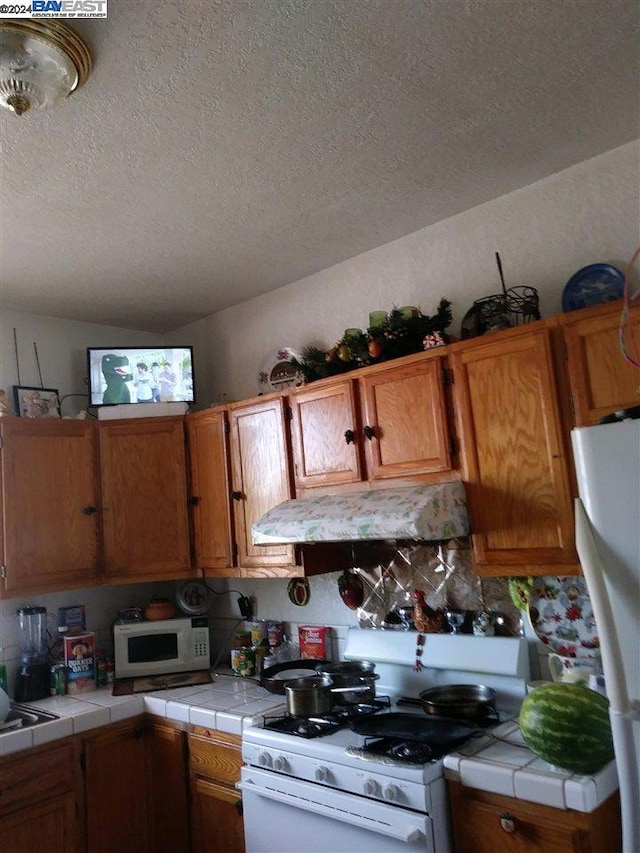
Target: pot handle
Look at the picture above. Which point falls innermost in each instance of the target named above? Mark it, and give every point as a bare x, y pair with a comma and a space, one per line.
363, 689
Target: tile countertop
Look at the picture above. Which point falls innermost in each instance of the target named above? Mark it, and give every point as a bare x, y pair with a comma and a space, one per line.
507, 767
228, 704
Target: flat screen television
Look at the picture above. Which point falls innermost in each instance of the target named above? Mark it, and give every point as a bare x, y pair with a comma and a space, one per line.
120, 375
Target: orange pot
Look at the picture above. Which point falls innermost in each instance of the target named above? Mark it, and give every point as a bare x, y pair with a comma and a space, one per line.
159, 608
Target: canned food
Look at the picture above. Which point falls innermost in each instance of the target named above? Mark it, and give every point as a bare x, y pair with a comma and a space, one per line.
243, 662
101, 673
58, 683
275, 633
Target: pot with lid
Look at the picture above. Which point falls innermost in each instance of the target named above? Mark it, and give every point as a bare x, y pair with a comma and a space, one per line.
351, 677
314, 696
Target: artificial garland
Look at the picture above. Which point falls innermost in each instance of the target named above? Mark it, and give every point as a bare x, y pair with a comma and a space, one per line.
397, 336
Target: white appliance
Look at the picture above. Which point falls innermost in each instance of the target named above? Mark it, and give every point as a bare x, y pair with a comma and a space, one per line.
607, 461
326, 795
161, 647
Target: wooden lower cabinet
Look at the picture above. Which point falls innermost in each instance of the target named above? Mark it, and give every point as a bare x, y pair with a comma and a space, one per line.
167, 786
486, 823
115, 788
38, 800
215, 760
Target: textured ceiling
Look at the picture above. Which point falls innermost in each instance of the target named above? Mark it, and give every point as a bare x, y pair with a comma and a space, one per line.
224, 148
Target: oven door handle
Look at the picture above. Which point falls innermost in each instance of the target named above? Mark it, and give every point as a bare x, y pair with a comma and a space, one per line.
376, 817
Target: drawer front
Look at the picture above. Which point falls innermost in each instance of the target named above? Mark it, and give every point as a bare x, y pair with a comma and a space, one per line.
33, 775
215, 758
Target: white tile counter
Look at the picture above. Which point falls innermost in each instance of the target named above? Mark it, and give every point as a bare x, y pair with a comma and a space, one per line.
507, 767
228, 704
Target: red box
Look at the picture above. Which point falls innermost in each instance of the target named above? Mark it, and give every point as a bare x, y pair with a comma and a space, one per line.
314, 642
80, 662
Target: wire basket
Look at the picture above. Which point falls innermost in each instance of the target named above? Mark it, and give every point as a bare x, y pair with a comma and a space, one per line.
515, 307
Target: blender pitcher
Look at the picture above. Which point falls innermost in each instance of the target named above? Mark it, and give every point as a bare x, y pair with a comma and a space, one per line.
32, 680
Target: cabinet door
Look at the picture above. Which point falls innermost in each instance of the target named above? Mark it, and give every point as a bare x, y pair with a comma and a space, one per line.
602, 381
405, 420
260, 479
515, 457
144, 488
48, 825
216, 818
115, 789
49, 486
167, 787
325, 435
210, 492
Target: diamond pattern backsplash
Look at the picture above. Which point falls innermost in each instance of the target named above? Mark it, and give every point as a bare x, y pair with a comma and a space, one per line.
444, 571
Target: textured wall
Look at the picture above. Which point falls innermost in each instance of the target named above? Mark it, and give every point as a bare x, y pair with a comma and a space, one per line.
544, 232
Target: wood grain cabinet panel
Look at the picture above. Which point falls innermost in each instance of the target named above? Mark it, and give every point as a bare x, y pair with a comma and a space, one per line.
601, 380
215, 760
167, 786
515, 456
144, 488
261, 479
486, 823
210, 487
383, 423
51, 505
115, 789
38, 800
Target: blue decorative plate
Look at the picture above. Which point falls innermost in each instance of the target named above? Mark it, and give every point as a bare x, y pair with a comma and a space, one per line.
592, 285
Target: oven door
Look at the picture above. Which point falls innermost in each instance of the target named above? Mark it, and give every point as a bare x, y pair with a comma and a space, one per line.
287, 815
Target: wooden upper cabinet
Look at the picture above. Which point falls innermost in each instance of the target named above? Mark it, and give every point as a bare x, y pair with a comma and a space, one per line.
210, 488
144, 489
405, 419
384, 422
601, 380
260, 479
515, 461
51, 505
325, 435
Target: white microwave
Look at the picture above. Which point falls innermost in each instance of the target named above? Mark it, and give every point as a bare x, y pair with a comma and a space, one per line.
161, 647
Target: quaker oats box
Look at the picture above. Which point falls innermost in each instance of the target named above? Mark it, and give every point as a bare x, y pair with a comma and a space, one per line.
314, 642
80, 662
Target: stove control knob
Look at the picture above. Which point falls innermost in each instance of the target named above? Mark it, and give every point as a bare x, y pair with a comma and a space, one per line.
370, 787
264, 760
390, 792
280, 763
322, 773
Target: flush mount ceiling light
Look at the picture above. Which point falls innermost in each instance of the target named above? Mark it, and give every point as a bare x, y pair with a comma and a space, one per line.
41, 63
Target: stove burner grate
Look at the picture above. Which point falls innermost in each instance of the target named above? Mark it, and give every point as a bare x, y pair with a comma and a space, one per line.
340, 717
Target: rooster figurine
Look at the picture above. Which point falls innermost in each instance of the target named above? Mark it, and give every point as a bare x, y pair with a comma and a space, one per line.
427, 621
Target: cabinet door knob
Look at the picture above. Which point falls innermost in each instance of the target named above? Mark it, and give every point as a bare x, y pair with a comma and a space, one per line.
238, 805
508, 822
369, 432
349, 436
89, 510
237, 496
194, 501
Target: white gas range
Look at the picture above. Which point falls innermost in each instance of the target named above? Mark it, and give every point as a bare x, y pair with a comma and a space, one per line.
329, 794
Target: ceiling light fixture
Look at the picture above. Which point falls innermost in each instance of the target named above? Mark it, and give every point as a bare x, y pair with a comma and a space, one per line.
41, 63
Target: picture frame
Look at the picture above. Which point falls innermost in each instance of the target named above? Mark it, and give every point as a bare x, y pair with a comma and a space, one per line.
33, 402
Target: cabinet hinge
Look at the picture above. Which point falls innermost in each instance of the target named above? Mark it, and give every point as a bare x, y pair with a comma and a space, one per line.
1, 442
227, 427
234, 553
3, 571
572, 405
453, 446
447, 377
288, 413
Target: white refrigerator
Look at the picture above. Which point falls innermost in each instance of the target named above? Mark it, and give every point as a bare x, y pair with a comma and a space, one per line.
607, 461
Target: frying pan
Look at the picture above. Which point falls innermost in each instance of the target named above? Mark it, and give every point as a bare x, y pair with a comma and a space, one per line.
466, 701
436, 731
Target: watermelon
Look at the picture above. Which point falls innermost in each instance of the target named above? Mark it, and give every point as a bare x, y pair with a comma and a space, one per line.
568, 725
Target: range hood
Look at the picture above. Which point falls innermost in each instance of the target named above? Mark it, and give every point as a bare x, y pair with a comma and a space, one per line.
424, 512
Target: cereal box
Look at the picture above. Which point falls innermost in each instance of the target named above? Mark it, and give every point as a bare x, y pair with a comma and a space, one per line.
314, 642
80, 662
73, 618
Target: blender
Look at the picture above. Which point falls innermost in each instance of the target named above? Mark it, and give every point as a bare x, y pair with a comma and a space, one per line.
33, 678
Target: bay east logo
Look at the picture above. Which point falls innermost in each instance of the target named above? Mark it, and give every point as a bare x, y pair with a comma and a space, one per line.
69, 8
